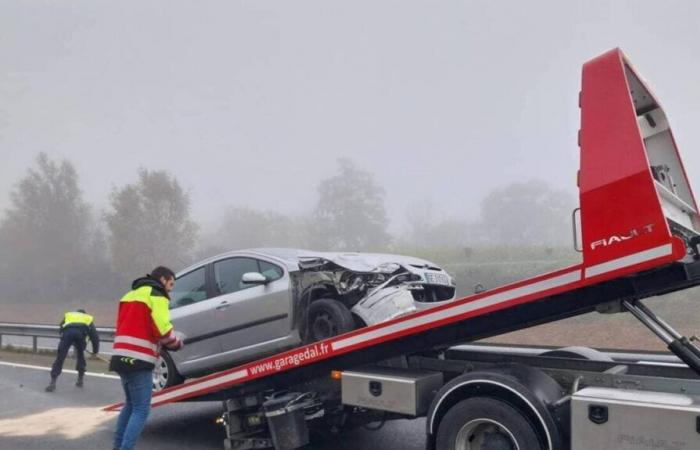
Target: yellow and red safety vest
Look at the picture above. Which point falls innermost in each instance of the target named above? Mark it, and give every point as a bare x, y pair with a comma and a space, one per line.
143, 322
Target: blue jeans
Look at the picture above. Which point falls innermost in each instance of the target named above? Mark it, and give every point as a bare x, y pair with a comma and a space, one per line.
132, 418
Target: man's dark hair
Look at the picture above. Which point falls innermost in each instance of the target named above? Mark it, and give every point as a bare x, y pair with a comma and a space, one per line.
162, 271
81, 310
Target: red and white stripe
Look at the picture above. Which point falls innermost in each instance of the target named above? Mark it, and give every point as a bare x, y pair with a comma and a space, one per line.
134, 347
501, 298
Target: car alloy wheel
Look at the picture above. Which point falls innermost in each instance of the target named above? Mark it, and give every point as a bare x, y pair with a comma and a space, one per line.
161, 374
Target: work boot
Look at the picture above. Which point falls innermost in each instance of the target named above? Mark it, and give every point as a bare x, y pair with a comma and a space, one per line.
79, 383
52, 385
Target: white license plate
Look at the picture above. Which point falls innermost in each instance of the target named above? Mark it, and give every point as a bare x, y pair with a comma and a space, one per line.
437, 278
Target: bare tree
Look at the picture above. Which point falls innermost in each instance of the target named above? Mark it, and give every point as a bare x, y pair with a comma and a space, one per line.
149, 224
350, 212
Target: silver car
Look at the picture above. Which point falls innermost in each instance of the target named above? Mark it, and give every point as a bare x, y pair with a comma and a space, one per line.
244, 305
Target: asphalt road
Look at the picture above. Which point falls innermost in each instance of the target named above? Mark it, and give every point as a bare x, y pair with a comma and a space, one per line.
71, 418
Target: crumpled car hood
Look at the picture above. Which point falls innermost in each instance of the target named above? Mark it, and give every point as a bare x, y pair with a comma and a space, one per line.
362, 262
375, 286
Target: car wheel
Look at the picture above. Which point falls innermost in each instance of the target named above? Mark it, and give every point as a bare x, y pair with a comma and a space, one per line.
327, 318
485, 423
165, 373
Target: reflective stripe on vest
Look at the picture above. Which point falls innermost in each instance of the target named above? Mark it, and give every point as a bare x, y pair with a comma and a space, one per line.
77, 317
136, 341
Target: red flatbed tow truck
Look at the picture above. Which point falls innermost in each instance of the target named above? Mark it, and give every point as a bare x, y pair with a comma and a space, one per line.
639, 236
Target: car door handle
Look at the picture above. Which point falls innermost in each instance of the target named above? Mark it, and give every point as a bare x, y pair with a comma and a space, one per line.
223, 305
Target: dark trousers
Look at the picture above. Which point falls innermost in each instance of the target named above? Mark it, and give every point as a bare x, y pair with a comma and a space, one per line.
71, 337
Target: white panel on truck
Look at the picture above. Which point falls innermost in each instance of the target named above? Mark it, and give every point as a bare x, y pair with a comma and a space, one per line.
603, 418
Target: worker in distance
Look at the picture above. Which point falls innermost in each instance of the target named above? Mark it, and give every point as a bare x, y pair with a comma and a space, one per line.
77, 326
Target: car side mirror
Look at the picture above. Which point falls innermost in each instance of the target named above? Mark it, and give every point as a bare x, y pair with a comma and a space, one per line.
254, 278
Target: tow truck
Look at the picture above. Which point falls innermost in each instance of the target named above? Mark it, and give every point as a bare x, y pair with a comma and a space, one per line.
637, 229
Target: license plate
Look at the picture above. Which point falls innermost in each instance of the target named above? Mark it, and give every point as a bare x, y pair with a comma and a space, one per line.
437, 278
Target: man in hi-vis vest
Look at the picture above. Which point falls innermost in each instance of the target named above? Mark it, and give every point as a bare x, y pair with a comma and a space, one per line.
76, 328
143, 327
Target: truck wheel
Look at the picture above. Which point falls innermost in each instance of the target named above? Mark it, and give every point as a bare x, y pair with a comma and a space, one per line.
327, 318
165, 373
483, 423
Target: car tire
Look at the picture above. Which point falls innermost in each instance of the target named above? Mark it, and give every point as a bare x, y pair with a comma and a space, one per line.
165, 373
483, 422
326, 318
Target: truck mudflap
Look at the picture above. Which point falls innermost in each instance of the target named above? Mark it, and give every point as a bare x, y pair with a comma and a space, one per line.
637, 213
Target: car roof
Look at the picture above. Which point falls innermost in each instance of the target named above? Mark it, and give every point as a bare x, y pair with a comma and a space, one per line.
290, 257
286, 256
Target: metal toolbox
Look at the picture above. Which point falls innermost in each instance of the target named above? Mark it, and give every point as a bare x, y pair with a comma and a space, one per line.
401, 391
629, 419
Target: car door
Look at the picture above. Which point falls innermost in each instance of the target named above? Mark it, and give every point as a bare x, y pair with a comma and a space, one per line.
258, 316
193, 312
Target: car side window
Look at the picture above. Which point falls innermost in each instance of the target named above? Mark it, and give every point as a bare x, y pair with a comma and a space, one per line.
228, 274
189, 288
271, 271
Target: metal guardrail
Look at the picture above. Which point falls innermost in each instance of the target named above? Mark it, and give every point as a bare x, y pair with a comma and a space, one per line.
45, 331
106, 334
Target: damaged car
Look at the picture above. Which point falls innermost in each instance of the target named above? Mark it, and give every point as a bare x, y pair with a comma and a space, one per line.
245, 305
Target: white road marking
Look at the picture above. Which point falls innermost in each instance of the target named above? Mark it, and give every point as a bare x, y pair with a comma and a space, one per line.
48, 369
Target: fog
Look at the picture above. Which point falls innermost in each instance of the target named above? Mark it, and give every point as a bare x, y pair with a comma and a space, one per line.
251, 103
249, 107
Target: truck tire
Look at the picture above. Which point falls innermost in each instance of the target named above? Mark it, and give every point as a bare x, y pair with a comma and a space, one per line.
165, 373
483, 423
327, 318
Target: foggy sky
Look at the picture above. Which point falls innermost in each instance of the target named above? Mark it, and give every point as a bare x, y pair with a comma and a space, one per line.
251, 102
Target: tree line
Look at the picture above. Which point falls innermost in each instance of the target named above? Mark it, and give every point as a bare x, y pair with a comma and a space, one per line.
56, 247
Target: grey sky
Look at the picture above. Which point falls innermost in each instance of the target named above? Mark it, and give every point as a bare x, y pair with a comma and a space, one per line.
251, 102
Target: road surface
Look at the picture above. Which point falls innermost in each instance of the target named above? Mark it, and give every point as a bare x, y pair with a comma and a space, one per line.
71, 418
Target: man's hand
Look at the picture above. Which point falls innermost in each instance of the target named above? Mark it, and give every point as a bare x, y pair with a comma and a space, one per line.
175, 345
174, 342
